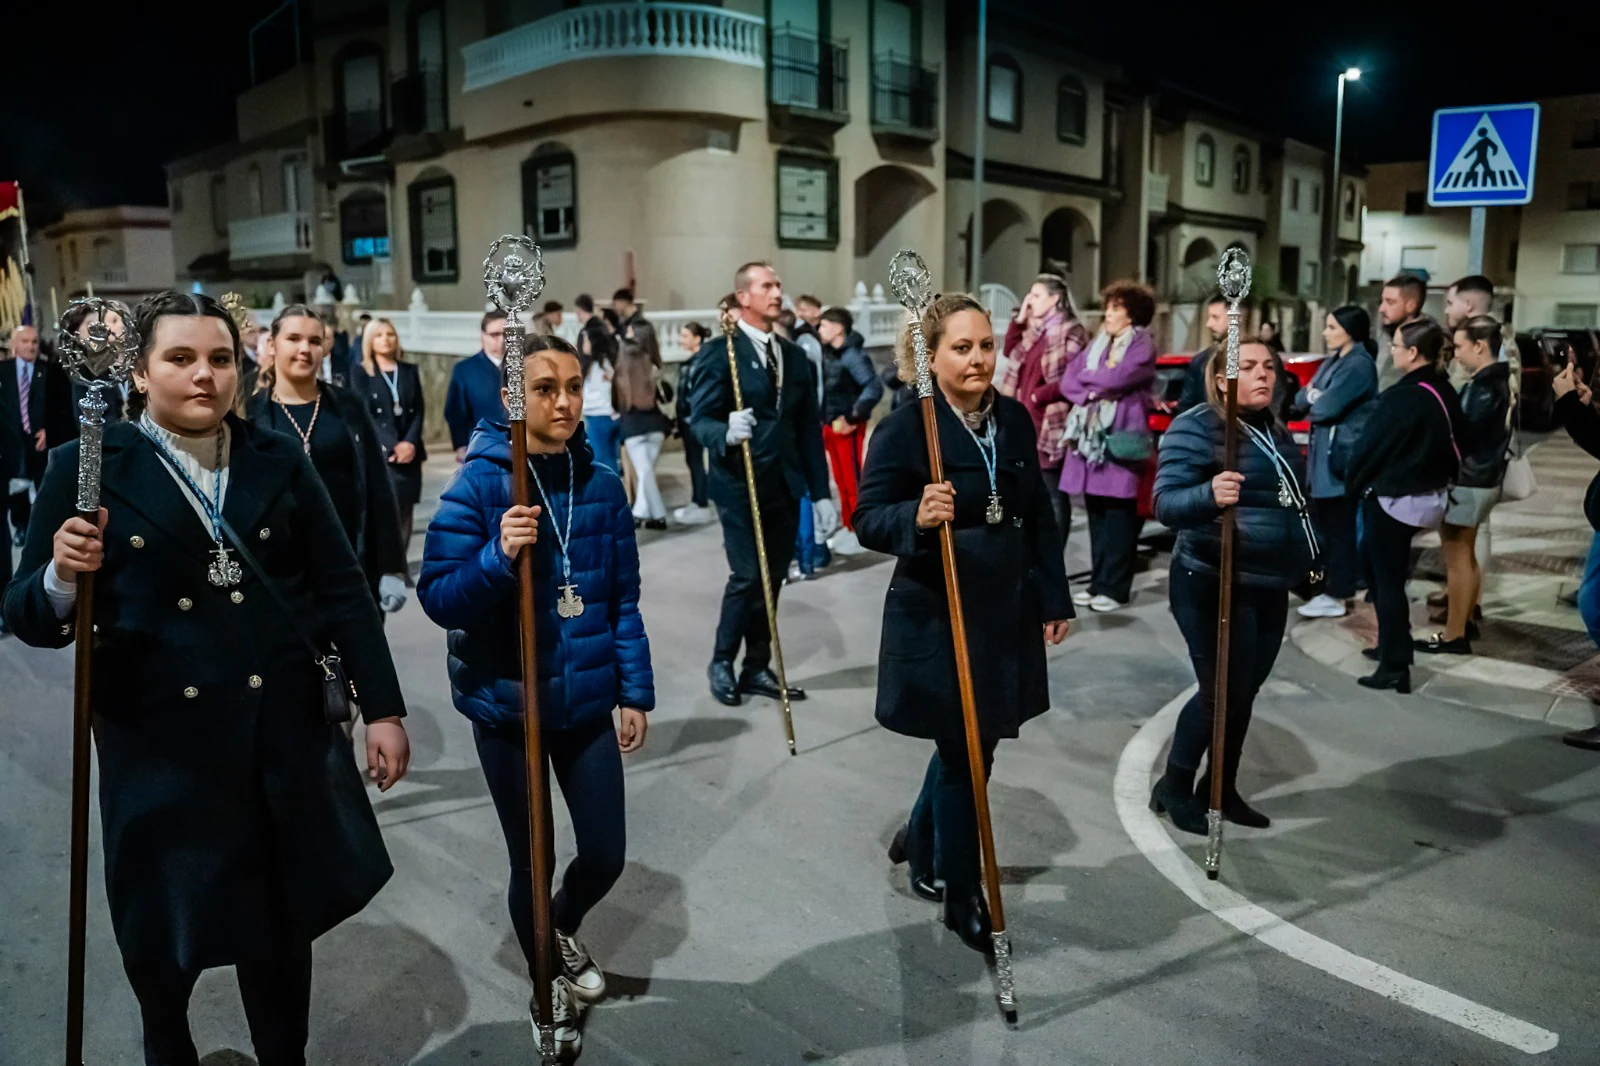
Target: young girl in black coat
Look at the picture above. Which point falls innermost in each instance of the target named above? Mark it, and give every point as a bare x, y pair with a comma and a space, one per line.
1273, 549
235, 825
1013, 587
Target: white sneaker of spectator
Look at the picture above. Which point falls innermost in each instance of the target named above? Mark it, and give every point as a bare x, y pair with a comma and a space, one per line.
692, 514
1322, 606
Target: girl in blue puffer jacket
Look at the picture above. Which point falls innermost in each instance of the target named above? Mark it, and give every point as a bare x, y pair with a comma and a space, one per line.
593, 655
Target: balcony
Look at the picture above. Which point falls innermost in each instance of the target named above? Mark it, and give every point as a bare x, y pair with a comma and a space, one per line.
1156, 193
269, 236
355, 134
808, 79
905, 100
607, 30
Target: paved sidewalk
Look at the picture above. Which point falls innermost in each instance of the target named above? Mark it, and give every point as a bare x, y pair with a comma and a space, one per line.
1534, 659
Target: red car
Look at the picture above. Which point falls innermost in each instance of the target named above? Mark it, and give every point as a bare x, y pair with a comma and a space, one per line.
1167, 390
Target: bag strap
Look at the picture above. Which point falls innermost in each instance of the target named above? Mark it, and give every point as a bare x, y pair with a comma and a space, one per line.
318, 656
1450, 428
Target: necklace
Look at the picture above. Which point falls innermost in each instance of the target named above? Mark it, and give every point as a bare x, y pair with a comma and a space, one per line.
995, 513
1289, 493
305, 434
392, 379
570, 605
223, 572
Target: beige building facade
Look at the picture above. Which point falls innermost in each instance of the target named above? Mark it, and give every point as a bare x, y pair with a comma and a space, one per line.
122, 253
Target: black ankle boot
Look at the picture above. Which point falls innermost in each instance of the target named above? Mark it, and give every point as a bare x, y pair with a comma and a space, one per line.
923, 884
1234, 808
1384, 678
1172, 798
967, 916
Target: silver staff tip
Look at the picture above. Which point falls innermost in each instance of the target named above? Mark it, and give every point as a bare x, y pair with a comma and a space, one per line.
910, 280
91, 346
1233, 274
1213, 843
515, 278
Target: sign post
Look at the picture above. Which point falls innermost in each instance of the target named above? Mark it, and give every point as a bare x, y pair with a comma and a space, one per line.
1482, 157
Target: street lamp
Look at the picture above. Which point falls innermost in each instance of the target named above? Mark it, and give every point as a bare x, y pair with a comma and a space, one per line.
1330, 229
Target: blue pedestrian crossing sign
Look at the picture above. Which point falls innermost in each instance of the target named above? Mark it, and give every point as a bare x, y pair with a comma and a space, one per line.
1483, 156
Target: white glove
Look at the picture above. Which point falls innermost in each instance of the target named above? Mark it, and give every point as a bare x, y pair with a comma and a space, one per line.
827, 517
391, 593
741, 426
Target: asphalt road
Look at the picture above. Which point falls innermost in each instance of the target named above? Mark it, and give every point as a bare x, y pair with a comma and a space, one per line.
759, 922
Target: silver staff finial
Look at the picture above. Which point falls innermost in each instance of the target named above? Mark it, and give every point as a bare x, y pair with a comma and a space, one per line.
98, 350
1233, 277
514, 280
912, 286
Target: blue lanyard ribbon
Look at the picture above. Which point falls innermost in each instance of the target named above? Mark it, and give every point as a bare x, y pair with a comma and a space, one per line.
211, 506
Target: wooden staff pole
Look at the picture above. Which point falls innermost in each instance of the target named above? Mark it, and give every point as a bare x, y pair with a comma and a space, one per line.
729, 329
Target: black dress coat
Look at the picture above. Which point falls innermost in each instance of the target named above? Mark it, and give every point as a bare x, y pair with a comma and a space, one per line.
1407, 446
787, 443
392, 428
376, 537
1011, 574
233, 815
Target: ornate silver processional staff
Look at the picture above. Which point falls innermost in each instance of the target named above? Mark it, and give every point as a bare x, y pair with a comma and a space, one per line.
98, 356
513, 274
912, 286
1233, 278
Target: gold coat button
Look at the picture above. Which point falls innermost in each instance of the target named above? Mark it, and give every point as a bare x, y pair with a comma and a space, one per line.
190, 693
136, 540
265, 533
236, 596
185, 603
255, 680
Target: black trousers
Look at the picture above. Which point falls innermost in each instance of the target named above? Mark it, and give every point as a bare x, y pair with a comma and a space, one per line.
1254, 637
943, 836
694, 453
1387, 544
744, 612
587, 764
1060, 504
1113, 544
6, 525
1335, 517
277, 1004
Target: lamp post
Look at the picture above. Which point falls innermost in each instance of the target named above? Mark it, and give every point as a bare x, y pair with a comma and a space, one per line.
1330, 224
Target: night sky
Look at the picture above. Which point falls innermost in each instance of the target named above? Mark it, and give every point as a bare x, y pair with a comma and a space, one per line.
162, 83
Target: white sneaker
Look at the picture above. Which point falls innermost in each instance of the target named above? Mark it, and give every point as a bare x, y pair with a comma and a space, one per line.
692, 514
578, 967
1082, 597
1322, 606
1103, 604
564, 1018
845, 542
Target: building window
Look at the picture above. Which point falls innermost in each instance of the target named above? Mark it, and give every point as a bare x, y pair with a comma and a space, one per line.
1418, 260
1205, 160
1316, 198
550, 197
428, 63
1072, 111
1511, 264
1005, 93
1416, 202
1576, 316
1583, 195
359, 88
1294, 194
253, 194
72, 255
1580, 259
1313, 274
1586, 133
1289, 268
433, 230
1350, 203
363, 227
219, 205
1241, 169
808, 200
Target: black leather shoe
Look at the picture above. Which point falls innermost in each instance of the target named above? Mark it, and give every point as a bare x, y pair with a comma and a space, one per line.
924, 885
967, 916
1399, 680
723, 686
1438, 644
1370, 653
655, 523
1587, 739
764, 682
1234, 808
1179, 805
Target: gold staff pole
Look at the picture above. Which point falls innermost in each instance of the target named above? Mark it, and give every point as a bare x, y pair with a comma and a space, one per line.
913, 287
729, 312
1233, 276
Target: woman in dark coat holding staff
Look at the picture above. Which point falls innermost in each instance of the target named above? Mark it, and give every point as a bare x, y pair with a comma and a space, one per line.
1013, 587
236, 827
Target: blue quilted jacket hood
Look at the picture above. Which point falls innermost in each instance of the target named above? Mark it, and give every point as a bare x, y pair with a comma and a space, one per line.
588, 665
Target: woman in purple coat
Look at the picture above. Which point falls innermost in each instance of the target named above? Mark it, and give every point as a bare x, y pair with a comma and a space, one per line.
1108, 438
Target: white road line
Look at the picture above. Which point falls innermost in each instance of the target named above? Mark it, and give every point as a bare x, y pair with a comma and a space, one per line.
1131, 789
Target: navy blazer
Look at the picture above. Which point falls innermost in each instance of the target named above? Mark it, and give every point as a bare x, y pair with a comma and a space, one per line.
473, 397
787, 444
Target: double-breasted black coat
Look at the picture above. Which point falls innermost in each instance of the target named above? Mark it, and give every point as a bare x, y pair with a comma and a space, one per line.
1011, 574
393, 428
233, 815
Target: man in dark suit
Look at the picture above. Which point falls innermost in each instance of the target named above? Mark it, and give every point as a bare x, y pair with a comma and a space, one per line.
779, 419
27, 431
474, 392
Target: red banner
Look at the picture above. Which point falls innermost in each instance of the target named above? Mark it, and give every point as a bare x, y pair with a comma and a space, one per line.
14, 309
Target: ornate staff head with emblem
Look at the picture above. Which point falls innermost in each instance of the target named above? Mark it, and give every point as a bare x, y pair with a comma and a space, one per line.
98, 356
1233, 278
244, 319
912, 286
514, 279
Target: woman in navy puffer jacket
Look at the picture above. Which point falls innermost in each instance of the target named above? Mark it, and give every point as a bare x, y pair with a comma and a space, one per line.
1273, 550
590, 664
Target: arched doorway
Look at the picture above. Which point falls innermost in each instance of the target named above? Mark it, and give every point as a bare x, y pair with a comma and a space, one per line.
1197, 272
886, 198
1007, 260
1067, 247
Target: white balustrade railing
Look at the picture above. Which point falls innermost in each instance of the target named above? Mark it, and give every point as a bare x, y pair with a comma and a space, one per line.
287, 233
1000, 300
621, 29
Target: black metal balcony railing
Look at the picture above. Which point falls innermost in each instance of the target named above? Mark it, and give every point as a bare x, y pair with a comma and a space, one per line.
354, 134
808, 73
419, 101
905, 95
